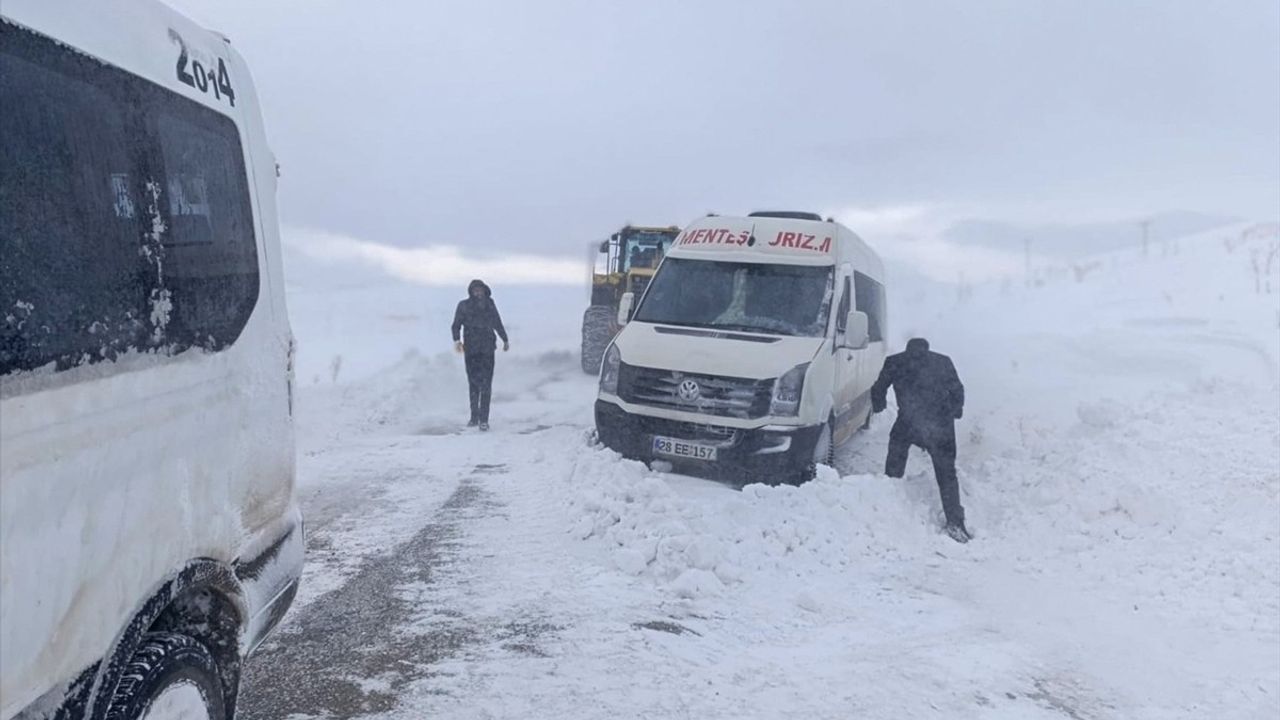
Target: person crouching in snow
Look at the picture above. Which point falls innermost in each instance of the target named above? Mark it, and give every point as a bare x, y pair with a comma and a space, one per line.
930, 400
475, 323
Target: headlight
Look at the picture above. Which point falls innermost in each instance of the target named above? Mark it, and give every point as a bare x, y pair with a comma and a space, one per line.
787, 391
609, 370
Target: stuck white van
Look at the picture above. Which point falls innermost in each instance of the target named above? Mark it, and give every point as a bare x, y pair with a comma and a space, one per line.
753, 351
149, 534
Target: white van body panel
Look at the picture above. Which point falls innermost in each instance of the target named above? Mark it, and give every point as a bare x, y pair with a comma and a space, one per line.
111, 479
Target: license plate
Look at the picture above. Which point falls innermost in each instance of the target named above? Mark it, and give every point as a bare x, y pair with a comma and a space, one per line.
681, 449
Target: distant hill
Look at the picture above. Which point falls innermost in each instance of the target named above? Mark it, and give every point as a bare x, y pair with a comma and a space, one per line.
1069, 240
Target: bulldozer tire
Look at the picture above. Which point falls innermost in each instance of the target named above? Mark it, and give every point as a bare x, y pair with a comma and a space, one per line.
597, 331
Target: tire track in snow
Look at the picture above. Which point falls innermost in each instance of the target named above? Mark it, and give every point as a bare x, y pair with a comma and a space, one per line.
347, 654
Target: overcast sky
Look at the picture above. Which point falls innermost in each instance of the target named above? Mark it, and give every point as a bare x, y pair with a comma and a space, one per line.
537, 126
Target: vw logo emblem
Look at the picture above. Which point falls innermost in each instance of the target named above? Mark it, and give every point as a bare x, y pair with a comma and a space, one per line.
689, 391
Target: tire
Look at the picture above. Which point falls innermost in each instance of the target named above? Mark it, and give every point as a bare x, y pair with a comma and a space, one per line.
170, 677
825, 455
824, 452
597, 332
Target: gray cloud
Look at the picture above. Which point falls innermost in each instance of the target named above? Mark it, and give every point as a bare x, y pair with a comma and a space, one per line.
539, 126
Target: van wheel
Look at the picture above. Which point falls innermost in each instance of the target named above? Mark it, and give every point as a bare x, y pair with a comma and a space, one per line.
170, 677
824, 452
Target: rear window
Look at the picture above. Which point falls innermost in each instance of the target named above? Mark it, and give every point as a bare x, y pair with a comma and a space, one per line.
125, 220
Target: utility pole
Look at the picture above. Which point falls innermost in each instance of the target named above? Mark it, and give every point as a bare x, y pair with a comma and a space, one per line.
1146, 236
1026, 251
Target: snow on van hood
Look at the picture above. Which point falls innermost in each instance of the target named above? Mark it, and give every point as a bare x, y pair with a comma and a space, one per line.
710, 352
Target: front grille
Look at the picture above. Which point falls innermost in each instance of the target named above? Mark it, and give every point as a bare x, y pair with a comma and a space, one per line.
694, 432
723, 396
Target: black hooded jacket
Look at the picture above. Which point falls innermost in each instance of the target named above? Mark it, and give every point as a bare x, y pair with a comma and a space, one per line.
930, 395
476, 321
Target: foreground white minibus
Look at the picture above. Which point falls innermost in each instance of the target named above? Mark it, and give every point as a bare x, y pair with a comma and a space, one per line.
149, 534
752, 353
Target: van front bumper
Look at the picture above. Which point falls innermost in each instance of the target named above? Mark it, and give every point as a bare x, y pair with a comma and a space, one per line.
771, 453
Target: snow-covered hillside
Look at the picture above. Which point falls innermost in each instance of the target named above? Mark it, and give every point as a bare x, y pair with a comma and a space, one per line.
1120, 462
352, 321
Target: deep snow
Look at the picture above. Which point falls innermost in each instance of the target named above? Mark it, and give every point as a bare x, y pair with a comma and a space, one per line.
1119, 458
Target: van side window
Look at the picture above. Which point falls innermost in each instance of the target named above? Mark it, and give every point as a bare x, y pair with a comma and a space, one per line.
209, 251
126, 223
869, 298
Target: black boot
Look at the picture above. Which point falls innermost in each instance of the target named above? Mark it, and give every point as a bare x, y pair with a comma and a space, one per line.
956, 531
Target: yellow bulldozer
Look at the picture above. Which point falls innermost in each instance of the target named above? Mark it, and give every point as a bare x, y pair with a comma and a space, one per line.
625, 263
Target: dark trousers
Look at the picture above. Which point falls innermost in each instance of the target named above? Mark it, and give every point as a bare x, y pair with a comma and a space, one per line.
941, 446
480, 382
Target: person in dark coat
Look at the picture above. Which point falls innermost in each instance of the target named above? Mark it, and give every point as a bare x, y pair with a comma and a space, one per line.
475, 323
930, 400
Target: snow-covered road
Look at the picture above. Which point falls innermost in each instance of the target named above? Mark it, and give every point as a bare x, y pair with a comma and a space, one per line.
1120, 460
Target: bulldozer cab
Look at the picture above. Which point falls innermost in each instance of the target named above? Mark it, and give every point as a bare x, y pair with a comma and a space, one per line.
627, 260
625, 263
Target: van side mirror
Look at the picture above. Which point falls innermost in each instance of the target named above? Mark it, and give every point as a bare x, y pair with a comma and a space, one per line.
624, 307
856, 330
604, 246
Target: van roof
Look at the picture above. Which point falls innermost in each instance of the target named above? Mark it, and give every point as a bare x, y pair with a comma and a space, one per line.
769, 238
788, 214
143, 37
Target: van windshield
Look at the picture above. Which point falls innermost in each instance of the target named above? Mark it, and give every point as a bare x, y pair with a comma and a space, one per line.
752, 297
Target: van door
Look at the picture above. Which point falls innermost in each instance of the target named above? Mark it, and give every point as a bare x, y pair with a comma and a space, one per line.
868, 297
847, 371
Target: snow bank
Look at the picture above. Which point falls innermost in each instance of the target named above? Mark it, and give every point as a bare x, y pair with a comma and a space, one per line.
697, 546
1087, 492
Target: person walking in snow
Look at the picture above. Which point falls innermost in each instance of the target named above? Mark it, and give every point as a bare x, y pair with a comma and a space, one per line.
475, 323
930, 400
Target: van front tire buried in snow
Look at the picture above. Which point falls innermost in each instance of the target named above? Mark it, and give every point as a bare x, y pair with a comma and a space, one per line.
597, 332
170, 677
824, 453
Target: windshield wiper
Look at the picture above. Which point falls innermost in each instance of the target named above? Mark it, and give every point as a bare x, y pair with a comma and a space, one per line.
729, 327
750, 328
676, 323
